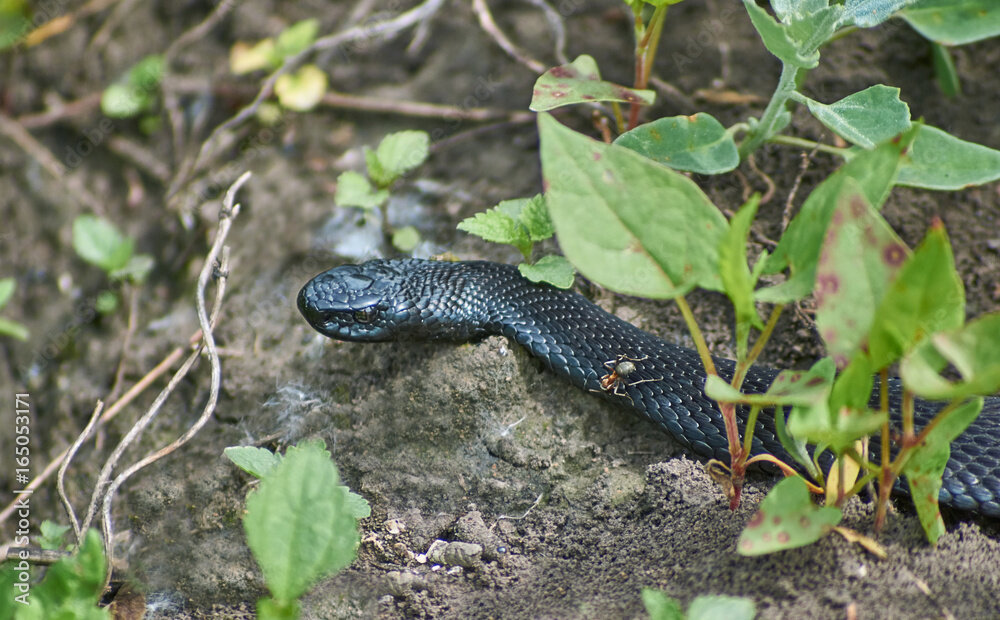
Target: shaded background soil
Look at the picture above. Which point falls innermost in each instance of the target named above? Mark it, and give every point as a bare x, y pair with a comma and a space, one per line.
576, 505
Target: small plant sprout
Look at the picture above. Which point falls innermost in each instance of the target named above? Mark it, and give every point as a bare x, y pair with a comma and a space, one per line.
521, 223
7, 326
301, 523
98, 241
397, 154
300, 90
136, 93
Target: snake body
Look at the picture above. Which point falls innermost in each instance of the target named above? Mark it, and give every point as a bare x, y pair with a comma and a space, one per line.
411, 299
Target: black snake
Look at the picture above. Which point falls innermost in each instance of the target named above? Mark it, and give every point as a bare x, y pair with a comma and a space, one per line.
412, 299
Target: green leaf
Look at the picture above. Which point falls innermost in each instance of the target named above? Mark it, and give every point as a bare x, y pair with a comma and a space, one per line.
580, 82
865, 118
627, 223
924, 468
861, 256
136, 91
106, 302
7, 286
696, 143
792, 10
271, 609
534, 216
296, 38
721, 608
853, 387
973, 350
868, 13
97, 241
926, 297
258, 462
938, 160
14, 26
790, 387
51, 535
778, 39
786, 519
500, 225
72, 586
13, 329
954, 22
812, 417
405, 239
244, 58
302, 90
659, 606
136, 269
123, 101
945, 71
354, 190
555, 270
298, 524
356, 505
733, 270
799, 248
397, 154
147, 73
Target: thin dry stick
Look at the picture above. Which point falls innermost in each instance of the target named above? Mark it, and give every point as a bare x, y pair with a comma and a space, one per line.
229, 213
786, 214
135, 431
140, 156
133, 311
37, 151
487, 24
170, 99
383, 30
420, 108
61, 476
151, 376
769, 193
557, 26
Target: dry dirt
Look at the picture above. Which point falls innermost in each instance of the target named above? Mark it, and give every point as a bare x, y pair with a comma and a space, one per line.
577, 505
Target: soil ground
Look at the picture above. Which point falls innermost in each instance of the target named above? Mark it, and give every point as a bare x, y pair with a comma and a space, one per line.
577, 505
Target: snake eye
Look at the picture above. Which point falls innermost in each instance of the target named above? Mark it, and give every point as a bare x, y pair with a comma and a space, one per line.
364, 315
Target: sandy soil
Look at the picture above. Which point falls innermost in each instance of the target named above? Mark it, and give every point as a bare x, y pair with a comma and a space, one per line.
577, 505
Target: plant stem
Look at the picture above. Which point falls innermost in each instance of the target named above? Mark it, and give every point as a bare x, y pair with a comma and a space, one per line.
772, 113
744, 365
647, 39
808, 144
696, 335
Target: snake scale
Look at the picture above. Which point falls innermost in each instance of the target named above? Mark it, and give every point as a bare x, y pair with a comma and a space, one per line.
412, 299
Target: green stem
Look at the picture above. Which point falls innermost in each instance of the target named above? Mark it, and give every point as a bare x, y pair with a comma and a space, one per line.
696, 335
769, 120
808, 144
744, 364
647, 39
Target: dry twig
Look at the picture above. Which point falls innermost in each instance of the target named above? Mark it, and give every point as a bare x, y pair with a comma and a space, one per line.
381, 31
420, 108
487, 24
214, 266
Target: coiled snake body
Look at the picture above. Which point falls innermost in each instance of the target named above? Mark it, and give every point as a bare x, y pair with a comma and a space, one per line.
412, 299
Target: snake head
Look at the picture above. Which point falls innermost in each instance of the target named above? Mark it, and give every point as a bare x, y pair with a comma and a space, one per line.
384, 300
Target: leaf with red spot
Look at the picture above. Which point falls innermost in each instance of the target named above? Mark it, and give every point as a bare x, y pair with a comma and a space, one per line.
860, 258
626, 222
973, 351
697, 143
580, 82
926, 464
927, 297
787, 518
